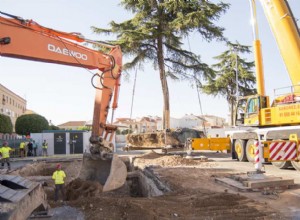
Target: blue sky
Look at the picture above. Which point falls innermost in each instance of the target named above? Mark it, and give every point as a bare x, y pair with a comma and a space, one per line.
63, 93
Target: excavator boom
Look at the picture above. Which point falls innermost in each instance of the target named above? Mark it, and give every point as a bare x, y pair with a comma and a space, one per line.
26, 39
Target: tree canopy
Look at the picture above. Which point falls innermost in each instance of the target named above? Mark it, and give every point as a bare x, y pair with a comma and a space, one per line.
156, 34
225, 83
31, 123
6, 125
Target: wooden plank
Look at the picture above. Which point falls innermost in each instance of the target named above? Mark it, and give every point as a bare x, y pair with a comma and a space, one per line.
18, 179
8, 194
270, 183
246, 182
3, 189
18, 196
23, 182
233, 183
8, 177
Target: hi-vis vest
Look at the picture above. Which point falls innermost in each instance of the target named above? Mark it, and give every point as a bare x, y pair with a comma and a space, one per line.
5, 151
45, 145
59, 176
22, 145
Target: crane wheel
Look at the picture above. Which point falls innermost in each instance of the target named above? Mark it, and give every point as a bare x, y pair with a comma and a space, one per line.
250, 150
240, 149
282, 164
296, 165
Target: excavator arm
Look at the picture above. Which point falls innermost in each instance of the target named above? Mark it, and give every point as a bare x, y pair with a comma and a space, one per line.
26, 39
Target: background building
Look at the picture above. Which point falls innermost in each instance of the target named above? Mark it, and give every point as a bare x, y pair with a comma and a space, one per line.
73, 125
11, 104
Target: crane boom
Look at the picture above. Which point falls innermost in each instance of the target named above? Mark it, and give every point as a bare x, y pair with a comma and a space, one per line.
286, 33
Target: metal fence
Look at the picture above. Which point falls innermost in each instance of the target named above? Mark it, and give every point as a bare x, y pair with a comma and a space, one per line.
14, 143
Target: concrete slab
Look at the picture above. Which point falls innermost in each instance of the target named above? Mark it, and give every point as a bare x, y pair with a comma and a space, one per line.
244, 182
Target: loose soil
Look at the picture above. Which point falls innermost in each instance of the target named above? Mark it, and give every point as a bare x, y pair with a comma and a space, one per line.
157, 139
194, 193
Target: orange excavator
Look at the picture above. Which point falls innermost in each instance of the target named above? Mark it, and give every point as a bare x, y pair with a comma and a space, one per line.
26, 39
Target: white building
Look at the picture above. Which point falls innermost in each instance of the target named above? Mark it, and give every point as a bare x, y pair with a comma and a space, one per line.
187, 121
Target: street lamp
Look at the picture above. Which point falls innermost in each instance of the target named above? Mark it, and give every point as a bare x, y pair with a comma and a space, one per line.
236, 73
235, 51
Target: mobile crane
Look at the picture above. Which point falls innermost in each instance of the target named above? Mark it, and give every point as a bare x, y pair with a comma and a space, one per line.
272, 123
26, 39
269, 124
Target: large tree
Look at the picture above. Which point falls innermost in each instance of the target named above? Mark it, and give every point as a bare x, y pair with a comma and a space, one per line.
31, 123
156, 33
225, 83
6, 125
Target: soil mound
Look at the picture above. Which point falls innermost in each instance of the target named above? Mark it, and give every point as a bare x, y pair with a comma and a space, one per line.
78, 188
157, 139
37, 169
169, 161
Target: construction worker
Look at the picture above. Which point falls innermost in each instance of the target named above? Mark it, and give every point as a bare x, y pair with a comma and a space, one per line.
58, 177
45, 148
22, 149
5, 152
35, 147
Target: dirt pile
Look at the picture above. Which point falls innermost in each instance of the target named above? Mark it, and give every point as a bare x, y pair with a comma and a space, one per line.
157, 139
192, 205
154, 159
78, 188
37, 169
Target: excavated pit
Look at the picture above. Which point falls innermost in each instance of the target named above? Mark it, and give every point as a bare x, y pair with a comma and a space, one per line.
139, 183
144, 183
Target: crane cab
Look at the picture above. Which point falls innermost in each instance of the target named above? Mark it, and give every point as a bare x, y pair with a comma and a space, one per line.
257, 112
249, 110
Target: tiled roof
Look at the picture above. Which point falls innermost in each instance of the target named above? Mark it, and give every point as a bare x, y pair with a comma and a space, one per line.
72, 123
123, 119
29, 112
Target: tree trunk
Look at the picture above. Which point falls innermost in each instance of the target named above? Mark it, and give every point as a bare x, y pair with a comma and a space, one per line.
232, 115
164, 83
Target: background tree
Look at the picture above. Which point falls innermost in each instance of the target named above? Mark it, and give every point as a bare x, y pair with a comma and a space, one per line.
6, 125
224, 84
53, 127
32, 123
156, 33
84, 128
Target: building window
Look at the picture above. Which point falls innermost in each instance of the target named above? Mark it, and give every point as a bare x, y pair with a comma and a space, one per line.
3, 100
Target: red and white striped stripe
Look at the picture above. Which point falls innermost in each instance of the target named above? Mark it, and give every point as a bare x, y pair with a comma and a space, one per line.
257, 161
283, 150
